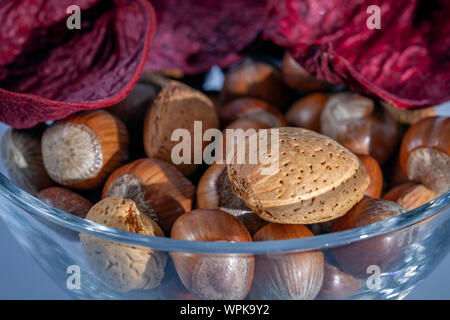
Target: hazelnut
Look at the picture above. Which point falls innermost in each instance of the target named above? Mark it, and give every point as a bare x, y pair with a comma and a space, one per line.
408, 116
410, 195
251, 108
293, 276
177, 106
315, 178
214, 192
21, 154
425, 153
82, 150
209, 276
384, 251
376, 176
65, 200
305, 113
255, 79
355, 122
337, 284
123, 267
159, 189
296, 77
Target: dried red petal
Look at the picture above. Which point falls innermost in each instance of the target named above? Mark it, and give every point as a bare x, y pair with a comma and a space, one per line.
194, 35
48, 71
406, 62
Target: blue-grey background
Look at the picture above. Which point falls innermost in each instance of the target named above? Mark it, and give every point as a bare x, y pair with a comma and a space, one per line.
22, 278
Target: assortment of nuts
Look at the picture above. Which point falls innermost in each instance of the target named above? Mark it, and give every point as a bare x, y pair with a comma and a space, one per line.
329, 162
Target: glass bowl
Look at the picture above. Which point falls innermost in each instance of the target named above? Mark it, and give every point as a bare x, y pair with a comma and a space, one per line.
393, 255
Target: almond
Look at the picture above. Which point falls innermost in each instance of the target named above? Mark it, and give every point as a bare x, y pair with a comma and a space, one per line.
315, 179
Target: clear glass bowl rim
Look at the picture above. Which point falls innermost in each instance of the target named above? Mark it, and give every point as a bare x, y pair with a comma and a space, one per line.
65, 220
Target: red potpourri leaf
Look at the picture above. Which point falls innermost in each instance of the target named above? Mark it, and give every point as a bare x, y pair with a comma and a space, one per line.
48, 72
194, 35
406, 62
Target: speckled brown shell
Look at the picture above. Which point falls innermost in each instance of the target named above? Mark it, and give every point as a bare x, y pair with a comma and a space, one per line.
123, 267
317, 180
164, 193
176, 107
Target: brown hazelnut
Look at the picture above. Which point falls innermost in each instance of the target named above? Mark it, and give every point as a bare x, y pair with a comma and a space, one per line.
287, 276
337, 284
425, 153
211, 276
21, 154
172, 288
410, 195
314, 179
253, 109
355, 122
214, 192
123, 267
177, 106
66, 200
296, 77
376, 176
82, 150
159, 189
255, 79
305, 113
384, 251
247, 123
408, 116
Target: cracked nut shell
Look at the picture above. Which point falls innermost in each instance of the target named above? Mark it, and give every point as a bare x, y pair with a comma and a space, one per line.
287, 276
211, 276
158, 188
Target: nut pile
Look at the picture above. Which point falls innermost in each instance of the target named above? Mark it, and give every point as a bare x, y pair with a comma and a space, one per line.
342, 161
